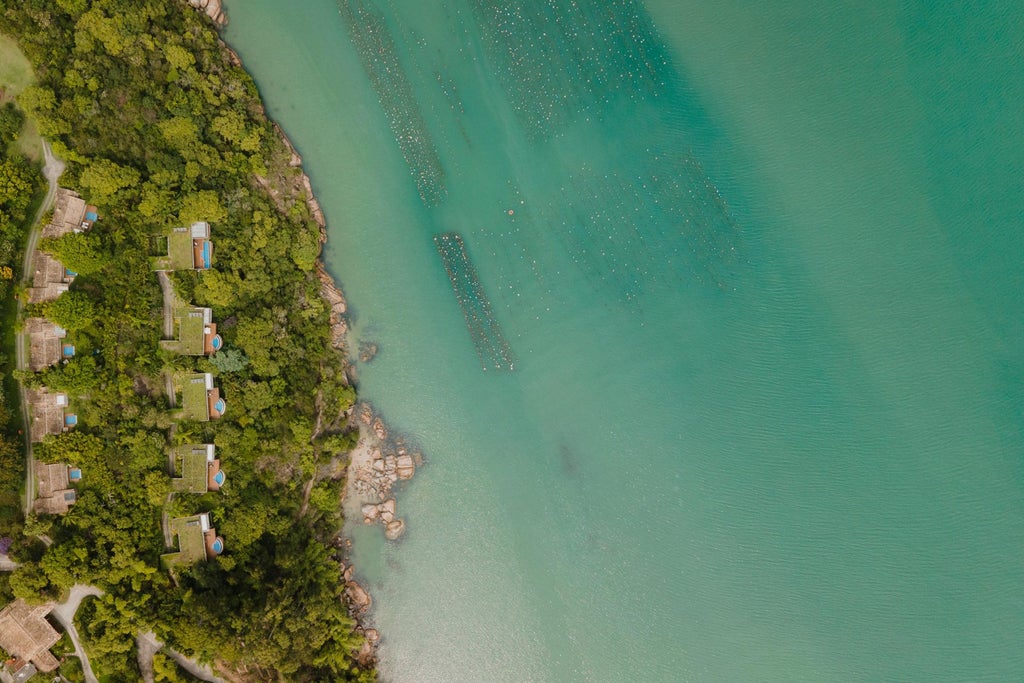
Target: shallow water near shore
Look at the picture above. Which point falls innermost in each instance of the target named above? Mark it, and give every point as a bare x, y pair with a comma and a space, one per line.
760, 271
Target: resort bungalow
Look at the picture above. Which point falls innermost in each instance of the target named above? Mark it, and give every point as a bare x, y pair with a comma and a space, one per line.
70, 214
196, 332
27, 637
196, 469
187, 248
197, 540
49, 413
54, 494
46, 345
200, 400
50, 278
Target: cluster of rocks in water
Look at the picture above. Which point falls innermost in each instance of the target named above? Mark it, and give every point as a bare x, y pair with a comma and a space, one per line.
379, 462
367, 351
389, 462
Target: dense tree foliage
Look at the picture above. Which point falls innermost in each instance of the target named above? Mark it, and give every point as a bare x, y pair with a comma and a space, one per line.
20, 190
159, 128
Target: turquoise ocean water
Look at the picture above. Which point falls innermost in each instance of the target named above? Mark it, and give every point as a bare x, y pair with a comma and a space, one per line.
760, 266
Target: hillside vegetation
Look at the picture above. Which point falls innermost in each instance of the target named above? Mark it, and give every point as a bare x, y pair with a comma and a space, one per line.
160, 129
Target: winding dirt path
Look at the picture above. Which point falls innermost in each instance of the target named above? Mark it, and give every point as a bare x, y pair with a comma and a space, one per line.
52, 168
65, 614
149, 642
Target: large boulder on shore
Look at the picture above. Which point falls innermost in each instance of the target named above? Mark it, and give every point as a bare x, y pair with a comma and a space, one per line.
370, 512
358, 597
212, 8
405, 467
394, 529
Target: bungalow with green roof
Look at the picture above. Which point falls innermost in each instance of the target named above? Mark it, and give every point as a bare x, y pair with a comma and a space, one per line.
197, 540
196, 332
188, 248
196, 469
200, 400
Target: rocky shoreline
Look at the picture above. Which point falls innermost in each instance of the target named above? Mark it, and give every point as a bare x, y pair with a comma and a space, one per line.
379, 460
213, 10
377, 464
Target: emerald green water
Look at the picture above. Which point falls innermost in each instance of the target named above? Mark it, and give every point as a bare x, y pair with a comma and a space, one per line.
762, 280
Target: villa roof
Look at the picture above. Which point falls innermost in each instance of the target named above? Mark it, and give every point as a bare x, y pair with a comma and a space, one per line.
47, 411
50, 278
197, 540
196, 333
200, 399
53, 495
44, 343
70, 214
52, 477
196, 469
188, 248
26, 634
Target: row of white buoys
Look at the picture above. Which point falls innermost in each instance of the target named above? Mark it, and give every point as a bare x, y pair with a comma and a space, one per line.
377, 52
561, 60
485, 331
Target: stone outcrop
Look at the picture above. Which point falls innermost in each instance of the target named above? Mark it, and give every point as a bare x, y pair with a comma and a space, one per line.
394, 529
405, 467
378, 463
336, 300
385, 513
212, 8
358, 599
367, 653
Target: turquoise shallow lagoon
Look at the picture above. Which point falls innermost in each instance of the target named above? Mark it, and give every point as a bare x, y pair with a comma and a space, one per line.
761, 271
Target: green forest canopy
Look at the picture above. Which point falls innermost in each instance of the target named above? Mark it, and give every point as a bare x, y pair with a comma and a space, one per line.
158, 129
